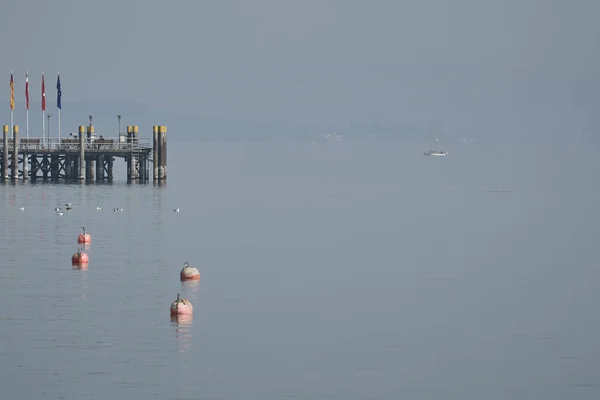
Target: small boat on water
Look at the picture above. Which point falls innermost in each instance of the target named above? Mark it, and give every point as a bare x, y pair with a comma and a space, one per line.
435, 152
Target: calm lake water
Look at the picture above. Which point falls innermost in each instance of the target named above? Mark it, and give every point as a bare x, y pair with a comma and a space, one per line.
339, 270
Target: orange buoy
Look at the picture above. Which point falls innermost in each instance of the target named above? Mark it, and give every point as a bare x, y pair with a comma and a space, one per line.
80, 258
84, 237
181, 306
189, 273
182, 319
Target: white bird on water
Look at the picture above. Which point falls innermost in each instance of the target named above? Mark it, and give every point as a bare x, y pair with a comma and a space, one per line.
68, 204
176, 209
98, 208
22, 208
59, 213
57, 209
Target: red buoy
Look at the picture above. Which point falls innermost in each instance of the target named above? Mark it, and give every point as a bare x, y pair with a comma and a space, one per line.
80, 258
181, 306
84, 237
189, 273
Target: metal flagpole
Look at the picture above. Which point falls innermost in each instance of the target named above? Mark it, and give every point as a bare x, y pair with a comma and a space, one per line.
27, 106
12, 102
58, 102
43, 111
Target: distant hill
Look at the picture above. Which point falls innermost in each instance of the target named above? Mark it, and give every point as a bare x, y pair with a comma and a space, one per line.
189, 127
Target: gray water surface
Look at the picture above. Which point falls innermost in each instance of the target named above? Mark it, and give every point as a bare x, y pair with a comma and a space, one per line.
339, 270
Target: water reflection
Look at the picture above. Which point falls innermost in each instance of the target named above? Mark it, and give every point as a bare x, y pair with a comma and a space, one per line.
183, 330
83, 283
191, 289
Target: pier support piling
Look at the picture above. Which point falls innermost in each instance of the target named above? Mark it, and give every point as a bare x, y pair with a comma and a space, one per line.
15, 159
67, 168
162, 153
90, 168
99, 168
136, 151
25, 166
89, 162
129, 157
81, 160
155, 152
34, 167
54, 168
109, 165
45, 167
5, 152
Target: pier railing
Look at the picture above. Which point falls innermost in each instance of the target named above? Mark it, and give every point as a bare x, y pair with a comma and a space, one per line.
72, 144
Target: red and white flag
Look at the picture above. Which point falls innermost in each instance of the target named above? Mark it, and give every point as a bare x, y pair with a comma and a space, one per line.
43, 94
27, 90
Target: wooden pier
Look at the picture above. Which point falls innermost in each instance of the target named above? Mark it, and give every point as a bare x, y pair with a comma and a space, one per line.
84, 157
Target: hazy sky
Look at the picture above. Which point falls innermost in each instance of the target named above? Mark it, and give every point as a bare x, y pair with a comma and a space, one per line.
470, 65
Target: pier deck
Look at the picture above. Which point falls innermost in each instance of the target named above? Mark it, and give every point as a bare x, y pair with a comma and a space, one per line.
78, 158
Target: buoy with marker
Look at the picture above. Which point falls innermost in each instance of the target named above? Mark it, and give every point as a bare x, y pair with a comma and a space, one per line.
189, 273
80, 258
181, 306
84, 237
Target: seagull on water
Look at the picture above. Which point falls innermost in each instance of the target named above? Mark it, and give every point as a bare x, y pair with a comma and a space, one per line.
98, 208
22, 208
176, 209
59, 213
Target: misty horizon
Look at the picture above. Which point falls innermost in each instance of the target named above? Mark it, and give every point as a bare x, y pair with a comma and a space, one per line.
517, 67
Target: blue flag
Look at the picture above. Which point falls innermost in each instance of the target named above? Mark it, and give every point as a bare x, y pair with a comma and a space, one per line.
58, 93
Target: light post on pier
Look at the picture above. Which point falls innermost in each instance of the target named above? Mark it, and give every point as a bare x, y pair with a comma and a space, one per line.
48, 137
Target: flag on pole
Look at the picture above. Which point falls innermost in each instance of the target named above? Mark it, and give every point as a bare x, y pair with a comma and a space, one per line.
43, 94
58, 93
12, 92
26, 91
